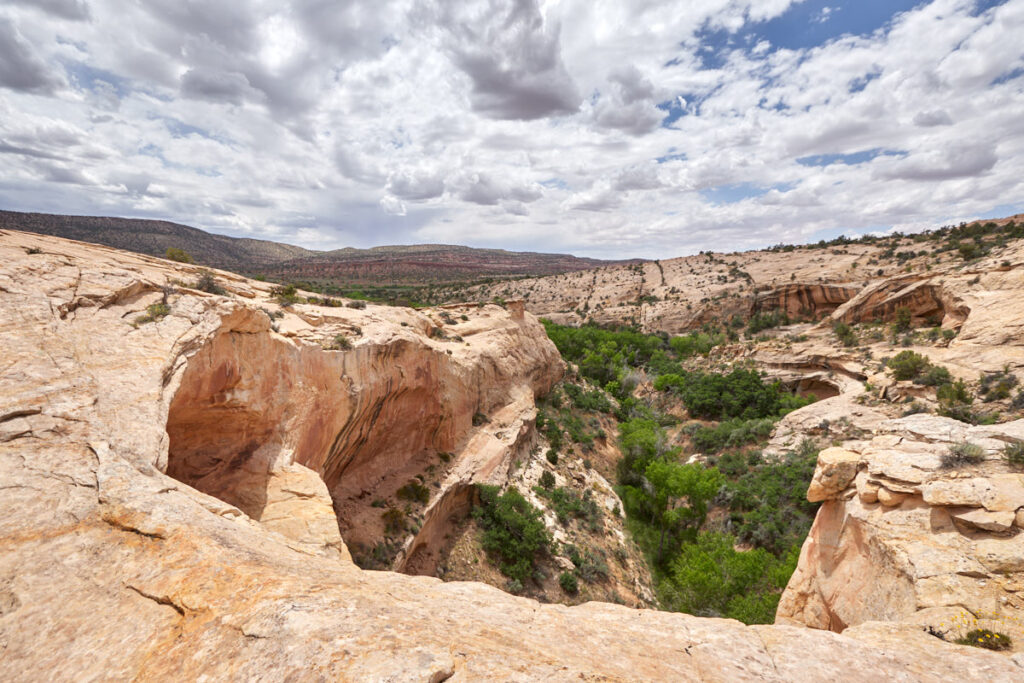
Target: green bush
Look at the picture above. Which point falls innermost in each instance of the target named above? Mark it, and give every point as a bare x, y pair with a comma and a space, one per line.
206, 282
711, 578
962, 454
766, 320
983, 637
415, 491
957, 392
934, 376
154, 312
547, 480
732, 434
768, 504
568, 582
568, 505
514, 531
552, 456
1014, 454
179, 255
845, 333
903, 319
394, 521
907, 365
996, 386
593, 400
740, 393
340, 343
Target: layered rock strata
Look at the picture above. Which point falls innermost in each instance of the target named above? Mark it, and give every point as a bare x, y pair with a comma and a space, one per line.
905, 535
112, 569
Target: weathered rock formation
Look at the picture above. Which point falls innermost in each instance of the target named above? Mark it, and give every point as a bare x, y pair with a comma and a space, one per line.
804, 300
166, 485
901, 538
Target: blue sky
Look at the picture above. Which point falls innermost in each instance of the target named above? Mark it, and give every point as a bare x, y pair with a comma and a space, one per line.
595, 127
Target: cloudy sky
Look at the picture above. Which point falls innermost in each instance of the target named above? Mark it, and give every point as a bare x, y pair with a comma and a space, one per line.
598, 127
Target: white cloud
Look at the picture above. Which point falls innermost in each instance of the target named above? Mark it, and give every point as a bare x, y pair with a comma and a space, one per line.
516, 123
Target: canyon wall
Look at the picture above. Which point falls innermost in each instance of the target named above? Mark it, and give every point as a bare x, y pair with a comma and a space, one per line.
173, 482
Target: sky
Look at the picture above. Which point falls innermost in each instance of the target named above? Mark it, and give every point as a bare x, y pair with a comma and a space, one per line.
596, 127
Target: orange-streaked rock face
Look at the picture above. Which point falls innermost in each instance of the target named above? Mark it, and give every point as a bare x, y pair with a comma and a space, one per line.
111, 569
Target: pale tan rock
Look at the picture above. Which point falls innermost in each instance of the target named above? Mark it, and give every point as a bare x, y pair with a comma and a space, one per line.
890, 498
1002, 555
299, 507
987, 521
1018, 519
868, 562
112, 570
866, 489
997, 493
835, 471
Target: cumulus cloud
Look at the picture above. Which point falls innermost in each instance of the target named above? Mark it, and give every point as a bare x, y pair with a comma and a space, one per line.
216, 86
512, 58
21, 67
72, 10
558, 126
630, 104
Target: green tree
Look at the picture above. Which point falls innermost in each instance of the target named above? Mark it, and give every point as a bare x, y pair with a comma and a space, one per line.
673, 483
514, 531
179, 255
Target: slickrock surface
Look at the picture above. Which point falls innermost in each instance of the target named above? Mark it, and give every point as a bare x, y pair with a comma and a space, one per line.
900, 538
854, 282
110, 569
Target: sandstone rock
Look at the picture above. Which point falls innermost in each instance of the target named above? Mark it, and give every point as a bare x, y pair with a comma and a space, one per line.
867, 490
868, 562
835, 471
988, 521
1018, 519
1002, 555
113, 570
997, 493
889, 498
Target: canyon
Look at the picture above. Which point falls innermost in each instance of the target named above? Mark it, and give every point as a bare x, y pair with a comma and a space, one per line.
186, 476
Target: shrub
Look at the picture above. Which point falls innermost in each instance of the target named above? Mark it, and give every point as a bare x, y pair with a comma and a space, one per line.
568, 582
983, 637
731, 434
955, 393
997, 386
514, 531
208, 283
154, 312
845, 333
552, 456
567, 504
740, 393
356, 303
767, 504
594, 400
479, 419
1014, 454
764, 321
340, 343
394, 521
907, 365
547, 480
903, 319
711, 578
934, 376
961, 454
415, 491
179, 255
